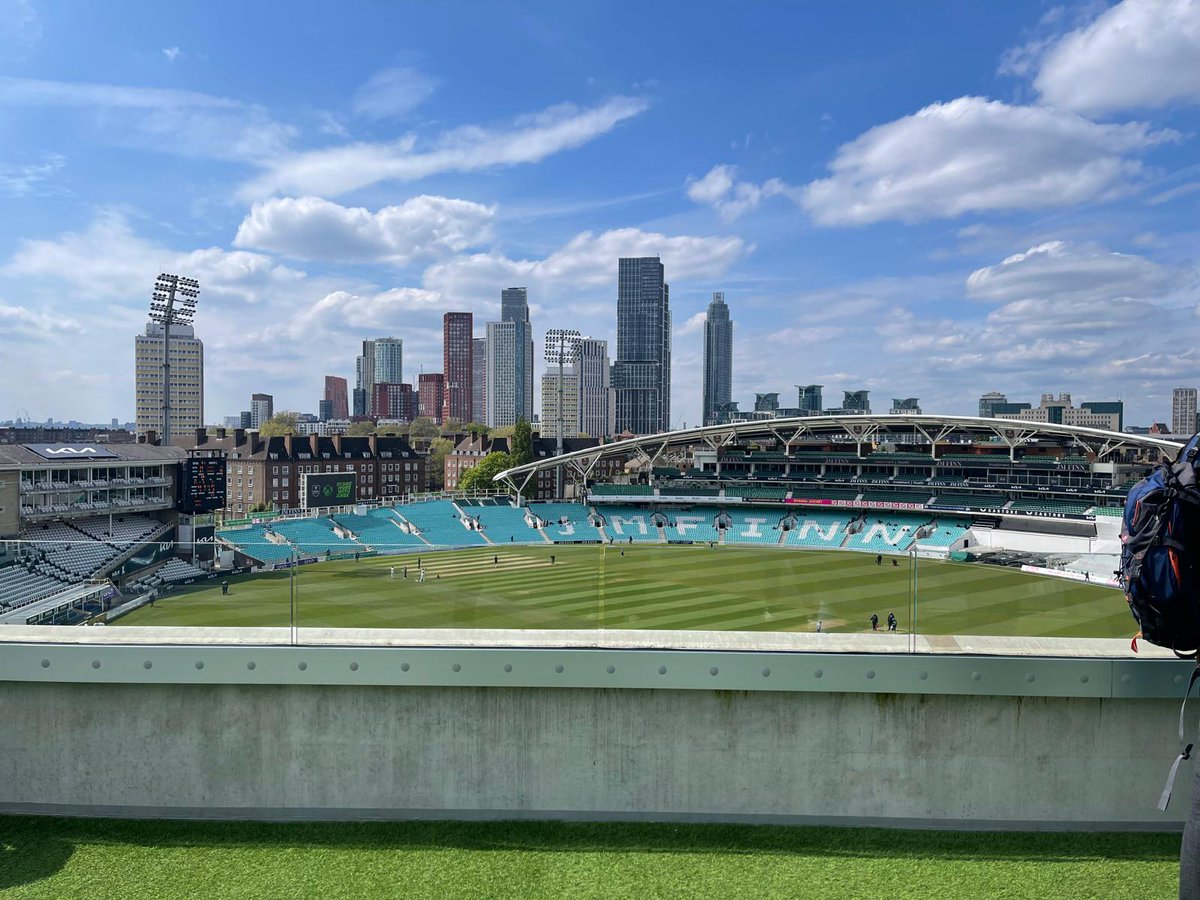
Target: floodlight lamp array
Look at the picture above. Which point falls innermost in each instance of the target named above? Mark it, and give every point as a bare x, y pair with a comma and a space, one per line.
562, 345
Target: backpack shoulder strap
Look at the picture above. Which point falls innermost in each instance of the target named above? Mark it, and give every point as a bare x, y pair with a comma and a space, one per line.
1186, 752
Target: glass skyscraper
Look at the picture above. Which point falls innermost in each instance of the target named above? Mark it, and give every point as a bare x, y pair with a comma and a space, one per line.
641, 376
718, 359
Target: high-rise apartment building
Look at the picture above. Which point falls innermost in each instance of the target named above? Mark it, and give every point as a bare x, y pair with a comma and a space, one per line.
509, 370
856, 402
1108, 415
1183, 411
479, 380
364, 376
457, 347
989, 403
641, 376
501, 375
186, 359
262, 407
809, 400
549, 422
514, 307
397, 402
908, 406
389, 360
718, 358
335, 395
431, 395
595, 393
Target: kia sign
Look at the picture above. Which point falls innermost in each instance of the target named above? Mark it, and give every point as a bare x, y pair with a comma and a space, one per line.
328, 489
69, 452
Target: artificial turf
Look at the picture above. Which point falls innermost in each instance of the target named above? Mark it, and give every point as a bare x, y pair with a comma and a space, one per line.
95, 858
653, 587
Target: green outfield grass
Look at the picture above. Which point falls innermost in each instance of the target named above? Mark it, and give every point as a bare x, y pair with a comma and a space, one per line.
96, 859
659, 587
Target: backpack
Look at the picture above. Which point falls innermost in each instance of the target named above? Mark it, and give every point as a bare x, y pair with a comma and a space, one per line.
1160, 543
1160, 540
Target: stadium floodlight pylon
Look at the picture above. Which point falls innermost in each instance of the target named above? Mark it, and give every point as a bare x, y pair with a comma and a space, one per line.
562, 347
173, 302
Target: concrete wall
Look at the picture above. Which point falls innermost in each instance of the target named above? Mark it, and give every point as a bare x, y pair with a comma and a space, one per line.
956, 741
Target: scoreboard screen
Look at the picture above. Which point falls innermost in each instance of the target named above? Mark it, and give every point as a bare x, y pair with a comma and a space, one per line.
202, 485
328, 489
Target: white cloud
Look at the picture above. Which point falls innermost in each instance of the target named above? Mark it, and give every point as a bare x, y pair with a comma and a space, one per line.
393, 93
1174, 193
23, 322
353, 313
1139, 54
587, 261
172, 53
471, 148
31, 178
312, 228
171, 121
19, 28
721, 190
108, 260
1058, 271
972, 155
693, 325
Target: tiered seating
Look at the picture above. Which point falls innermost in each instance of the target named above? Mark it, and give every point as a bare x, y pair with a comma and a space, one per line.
972, 501
126, 529
910, 479
254, 543
1108, 510
565, 521
895, 497
753, 526
822, 530
505, 525
945, 534
886, 536
64, 553
177, 570
19, 586
753, 492
695, 524
688, 490
1064, 507
380, 530
620, 490
625, 522
315, 537
439, 523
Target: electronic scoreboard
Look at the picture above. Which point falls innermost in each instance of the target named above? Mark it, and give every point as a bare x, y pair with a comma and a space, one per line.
202, 484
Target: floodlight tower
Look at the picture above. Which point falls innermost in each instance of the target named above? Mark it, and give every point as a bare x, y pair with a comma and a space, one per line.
562, 347
172, 303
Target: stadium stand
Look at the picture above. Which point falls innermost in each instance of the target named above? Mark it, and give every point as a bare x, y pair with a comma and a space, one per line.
695, 524
819, 492
970, 501
944, 534
20, 586
253, 542
565, 521
753, 492
315, 537
822, 530
439, 523
624, 522
1057, 507
621, 490
895, 497
505, 525
753, 526
1107, 511
380, 530
888, 535
910, 479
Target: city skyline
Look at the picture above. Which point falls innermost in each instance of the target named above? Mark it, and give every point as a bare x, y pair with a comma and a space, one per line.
1019, 206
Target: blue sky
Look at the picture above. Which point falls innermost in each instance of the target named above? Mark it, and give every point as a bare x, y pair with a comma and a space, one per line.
930, 200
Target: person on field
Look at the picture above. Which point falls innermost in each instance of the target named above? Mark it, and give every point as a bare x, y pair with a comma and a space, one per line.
224, 588
551, 559
420, 576
819, 626
895, 564
393, 575
891, 621
495, 560
874, 622
879, 559
406, 572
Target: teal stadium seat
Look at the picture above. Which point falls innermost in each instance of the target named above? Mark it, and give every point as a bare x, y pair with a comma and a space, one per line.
505, 525
565, 521
380, 530
440, 524
890, 534
315, 537
254, 543
625, 522
754, 526
823, 531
